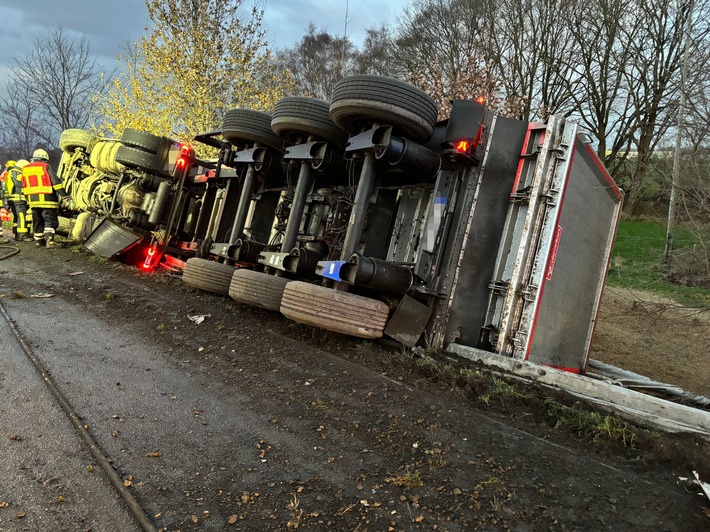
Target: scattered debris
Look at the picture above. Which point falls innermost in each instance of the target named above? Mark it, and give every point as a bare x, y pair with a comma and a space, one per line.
199, 318
42, 295
72, 274
153, 454
703, 485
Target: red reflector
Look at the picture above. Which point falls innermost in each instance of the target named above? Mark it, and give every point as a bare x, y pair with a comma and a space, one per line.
181, 162
462, 146
150, 257
481, 99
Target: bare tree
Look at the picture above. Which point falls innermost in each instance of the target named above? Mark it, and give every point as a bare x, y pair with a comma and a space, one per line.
596, 81
375, 57
529, 50
519, 44
17, 128
54, 87
447, 32
318, 62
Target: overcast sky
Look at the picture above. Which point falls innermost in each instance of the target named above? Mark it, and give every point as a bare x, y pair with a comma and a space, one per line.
109, 24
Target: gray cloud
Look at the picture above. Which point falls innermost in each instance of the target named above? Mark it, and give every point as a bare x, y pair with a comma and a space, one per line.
287, 20
107, 24
110, 24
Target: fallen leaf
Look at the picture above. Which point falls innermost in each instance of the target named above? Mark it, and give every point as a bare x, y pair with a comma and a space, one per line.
4, 504
16, 437
195, 519
42, 295
90, 468
20, 515
72, 274
232, 519
153, 454
160, 327
419, 519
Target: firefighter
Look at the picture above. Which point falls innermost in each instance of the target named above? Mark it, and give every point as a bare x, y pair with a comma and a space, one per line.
43, 190
15, 199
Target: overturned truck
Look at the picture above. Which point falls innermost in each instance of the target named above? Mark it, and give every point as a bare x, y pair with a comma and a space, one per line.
366, 216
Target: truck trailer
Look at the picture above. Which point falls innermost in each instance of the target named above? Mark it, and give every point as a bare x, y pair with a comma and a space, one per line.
366, 216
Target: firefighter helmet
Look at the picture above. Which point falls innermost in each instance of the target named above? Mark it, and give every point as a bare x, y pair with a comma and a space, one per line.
40, 154
22, 163
10, 164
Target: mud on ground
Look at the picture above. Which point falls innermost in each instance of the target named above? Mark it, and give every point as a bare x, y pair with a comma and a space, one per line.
400, 443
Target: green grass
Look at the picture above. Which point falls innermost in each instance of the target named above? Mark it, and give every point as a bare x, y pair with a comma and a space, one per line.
637, 262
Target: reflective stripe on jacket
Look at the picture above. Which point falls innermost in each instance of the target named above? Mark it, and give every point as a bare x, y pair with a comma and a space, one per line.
13, 185
39, 187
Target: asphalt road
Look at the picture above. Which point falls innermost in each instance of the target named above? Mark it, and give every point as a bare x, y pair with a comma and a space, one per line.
48, 478
233, 424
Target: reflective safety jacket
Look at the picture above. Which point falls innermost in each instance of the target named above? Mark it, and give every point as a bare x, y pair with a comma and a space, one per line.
13, 185
41, 186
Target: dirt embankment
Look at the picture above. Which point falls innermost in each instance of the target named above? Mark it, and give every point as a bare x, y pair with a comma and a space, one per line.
655, 337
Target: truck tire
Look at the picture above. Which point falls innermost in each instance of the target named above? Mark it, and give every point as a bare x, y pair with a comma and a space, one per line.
133, 157
208, 275
71, 139
333, 310
257, 289
294, 116
113, 166
65, 225
95, 155
362, 100
147, 142
240, 126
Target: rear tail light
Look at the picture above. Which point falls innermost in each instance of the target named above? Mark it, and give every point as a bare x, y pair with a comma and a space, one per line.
187, 154
151, 258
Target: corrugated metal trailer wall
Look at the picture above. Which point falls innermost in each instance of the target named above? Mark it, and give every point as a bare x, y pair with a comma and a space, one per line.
527, 258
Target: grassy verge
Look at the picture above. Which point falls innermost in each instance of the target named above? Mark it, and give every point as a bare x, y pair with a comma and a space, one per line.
637, 262
538, 409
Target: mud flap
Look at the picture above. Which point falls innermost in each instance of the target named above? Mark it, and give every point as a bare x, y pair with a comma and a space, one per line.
109, 239
408, 321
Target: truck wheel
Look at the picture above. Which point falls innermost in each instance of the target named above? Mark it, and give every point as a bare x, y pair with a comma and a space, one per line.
113, 166
363, 100
65, 225
240, 126
147, 142
336, 311
257, 289
95, 155
133, 157
294, 116
71, 139
208, 275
